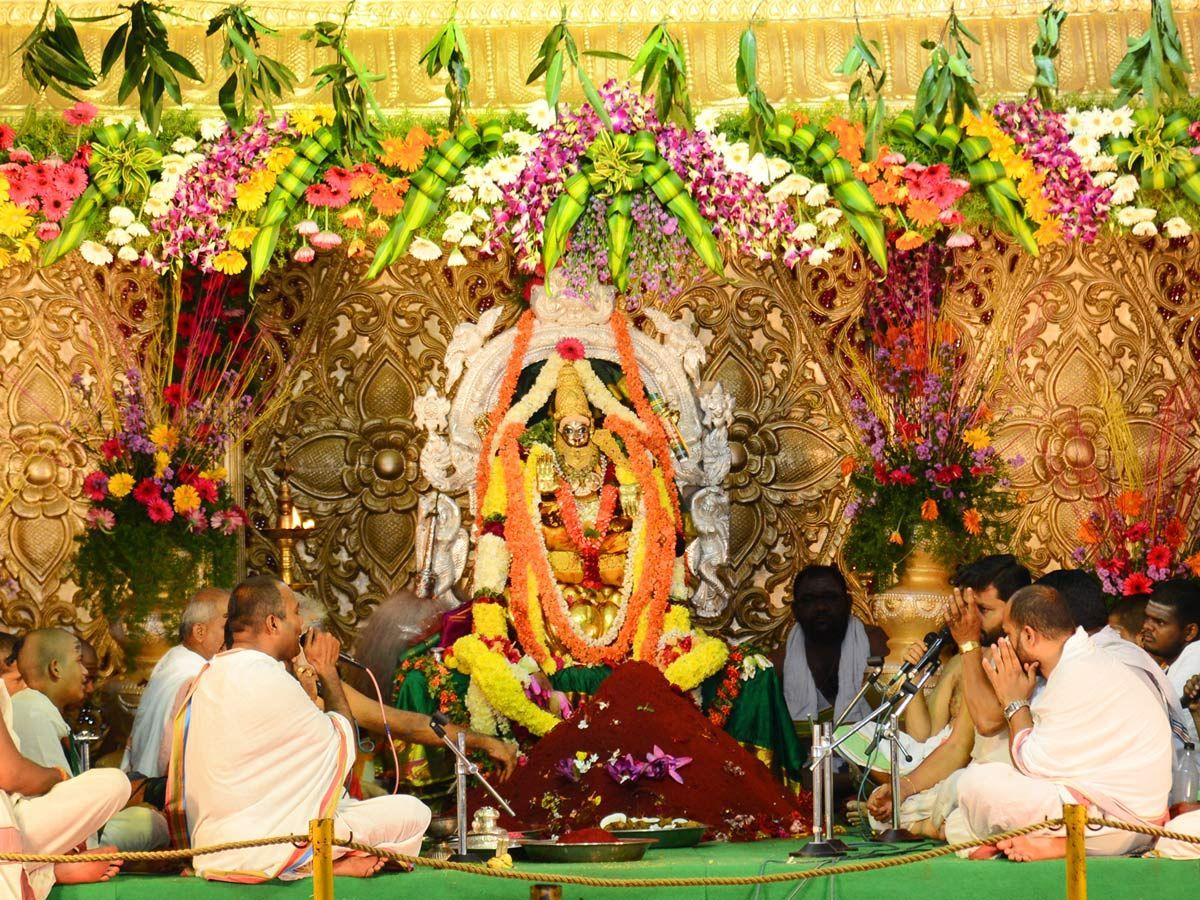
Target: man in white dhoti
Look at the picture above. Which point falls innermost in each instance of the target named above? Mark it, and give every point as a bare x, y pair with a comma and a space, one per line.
201, 636
1171, 630
252, 755
1114, 756
43, 810
51, 661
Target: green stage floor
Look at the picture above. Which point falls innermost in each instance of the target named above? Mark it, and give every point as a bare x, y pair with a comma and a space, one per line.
941, 879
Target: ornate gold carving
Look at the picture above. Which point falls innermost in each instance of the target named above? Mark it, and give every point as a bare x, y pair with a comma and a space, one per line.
1120, 312
801, 44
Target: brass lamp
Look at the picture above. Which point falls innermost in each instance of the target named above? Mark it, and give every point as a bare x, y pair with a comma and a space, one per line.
290, 524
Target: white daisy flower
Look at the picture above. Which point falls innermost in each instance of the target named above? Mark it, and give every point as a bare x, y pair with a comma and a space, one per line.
128, 254
118, 237
738, 156
819, 256
156, 206
96, 254
212, 128
184, 144
120, 216
480, 214
758, 170
707, 120
818, 195
1085, 145
452, 236
1073, 120
470, 239
1124, 189
424, 249
835, 241
1127, 216
829, 216
1177, 227
540, 115
805, 231
1104, 179
1145, 229
475, 176
460, 193
1120, 122
456, 258
137, 230
490, 194
460, 221
1096, 122
778, 167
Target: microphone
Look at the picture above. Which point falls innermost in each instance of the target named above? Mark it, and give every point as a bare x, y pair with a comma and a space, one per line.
934, 642
438, 722
350, 661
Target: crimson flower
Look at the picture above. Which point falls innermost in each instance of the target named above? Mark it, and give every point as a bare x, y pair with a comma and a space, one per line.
55, 206
147, 491
7, 136
570, 349
96, 486
1136, 583
319, 195
1174, 533
900, 476
1159, 556
82, 113
206, 489
111, 448
71, 180
948, 474
1137, 532
173, 393
186, 473
159, 511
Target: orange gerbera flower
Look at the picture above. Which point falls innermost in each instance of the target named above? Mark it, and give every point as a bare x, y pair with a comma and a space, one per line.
896, 538
1088, 532
407, 153
1174, 532
849, 464
1193, 563
884, 193
387, 200
929, 509
1129, 503
973, 521
910, 240
850, 139
923, 213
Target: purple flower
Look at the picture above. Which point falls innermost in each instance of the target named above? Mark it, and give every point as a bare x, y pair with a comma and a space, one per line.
663, 765
625, 768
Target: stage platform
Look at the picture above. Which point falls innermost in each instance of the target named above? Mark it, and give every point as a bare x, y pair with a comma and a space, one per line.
941, 879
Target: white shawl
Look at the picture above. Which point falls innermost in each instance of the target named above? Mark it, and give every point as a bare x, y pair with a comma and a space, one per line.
1100, 732
178, 666
252, 756
1110, 640
799, 688
1185, 666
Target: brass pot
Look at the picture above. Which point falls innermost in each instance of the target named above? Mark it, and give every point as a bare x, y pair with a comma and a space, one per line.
915, 605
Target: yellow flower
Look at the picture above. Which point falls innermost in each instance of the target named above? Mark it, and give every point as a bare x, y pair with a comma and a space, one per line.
707, 656
278, 159
217, 475
978, 438
250, 196
242, 237
186, 498
3, 188
324, 112
161, 460
230, 262
164, 436
14, 220
120, 484
304, 121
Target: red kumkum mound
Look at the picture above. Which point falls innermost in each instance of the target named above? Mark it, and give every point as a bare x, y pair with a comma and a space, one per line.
636, 708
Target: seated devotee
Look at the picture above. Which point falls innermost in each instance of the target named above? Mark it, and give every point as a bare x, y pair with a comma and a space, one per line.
1127, 616
1084, 597
45, 810
825, 654
929, 790
201, 636
51, 662
10, 672
1113, 757
253, 756
1172, 629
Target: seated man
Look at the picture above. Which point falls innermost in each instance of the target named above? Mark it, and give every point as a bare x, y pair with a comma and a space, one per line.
1172, 629
253, 756
10, 673
51, 661
824, 656
1084, 597
1113, 757
1126, 618
929, 791
201, 635
44, 810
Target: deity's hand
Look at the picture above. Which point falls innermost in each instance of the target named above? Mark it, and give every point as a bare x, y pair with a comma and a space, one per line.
964, 620
321, 651
1011, 680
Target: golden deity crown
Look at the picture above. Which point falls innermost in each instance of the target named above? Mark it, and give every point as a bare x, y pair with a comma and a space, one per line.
570, 399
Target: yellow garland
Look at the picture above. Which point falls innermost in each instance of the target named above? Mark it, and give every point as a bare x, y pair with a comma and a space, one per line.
500, 686
488, 620
496, 501
707, 656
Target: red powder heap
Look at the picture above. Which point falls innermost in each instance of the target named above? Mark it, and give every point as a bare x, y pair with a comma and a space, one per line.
636, 708
588, 836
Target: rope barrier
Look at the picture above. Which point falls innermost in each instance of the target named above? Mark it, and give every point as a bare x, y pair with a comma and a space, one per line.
589, 881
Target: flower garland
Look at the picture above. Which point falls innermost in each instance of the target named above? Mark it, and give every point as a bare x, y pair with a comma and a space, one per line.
437, 685
500, 685
728, 690
587, 541
700, 655
508, 388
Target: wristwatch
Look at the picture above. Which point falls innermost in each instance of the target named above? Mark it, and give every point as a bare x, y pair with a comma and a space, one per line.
1015, 707
967, 646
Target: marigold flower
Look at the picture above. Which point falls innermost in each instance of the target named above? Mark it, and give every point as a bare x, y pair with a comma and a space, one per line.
186, 498
229, 262
973, 521
929, 510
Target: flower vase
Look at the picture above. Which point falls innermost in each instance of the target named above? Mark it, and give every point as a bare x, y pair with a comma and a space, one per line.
915, 605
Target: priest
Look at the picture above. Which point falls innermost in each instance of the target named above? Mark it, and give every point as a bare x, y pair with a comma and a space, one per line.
253, 756
1113, 757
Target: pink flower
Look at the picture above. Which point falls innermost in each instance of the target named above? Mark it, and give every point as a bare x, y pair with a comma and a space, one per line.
71, 180
103, 519
196, 520
20, 155
307, 228
305, 254
570, 349
319, 195
339, 177
55, 206
960, 239
96, 486
7, 136
80, 114
159, 511
111, 449
325, 240
47, 231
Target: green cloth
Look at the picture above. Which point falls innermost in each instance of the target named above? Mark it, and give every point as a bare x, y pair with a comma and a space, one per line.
759, 716
947, 878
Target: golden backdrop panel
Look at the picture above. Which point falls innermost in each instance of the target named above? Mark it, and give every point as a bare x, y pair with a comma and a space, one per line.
800, 44
1118, 317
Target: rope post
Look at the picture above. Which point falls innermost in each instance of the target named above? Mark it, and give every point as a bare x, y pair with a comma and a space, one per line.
1075, 817
320, 835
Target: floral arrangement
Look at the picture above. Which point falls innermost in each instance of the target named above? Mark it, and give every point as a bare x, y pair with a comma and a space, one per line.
926, 470
438, 682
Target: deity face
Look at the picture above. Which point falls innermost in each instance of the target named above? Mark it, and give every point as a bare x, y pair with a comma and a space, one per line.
575, 431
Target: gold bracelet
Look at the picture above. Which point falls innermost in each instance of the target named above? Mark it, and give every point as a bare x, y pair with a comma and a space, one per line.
967, 646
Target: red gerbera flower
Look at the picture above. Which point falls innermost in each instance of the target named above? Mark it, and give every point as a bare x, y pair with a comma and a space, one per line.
173, 393
147, 491
7, 136
570, 349
338, 177
206, 489
55, 206
111, 449
159, 511
80, 114
1159, 556
1136, 583
96, 486
186, 473
1174, 533
318, 194
71, 181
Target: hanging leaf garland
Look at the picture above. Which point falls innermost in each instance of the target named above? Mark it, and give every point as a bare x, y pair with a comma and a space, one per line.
557, 49
1045, 52
1154, 65
151, 66
429, 185
759, 110
805, 144
619, 165
947, 88
259, 77
51, 57
448, 53
664, 72
124, 157
866, 53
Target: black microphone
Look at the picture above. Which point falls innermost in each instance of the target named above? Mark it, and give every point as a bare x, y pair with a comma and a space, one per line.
934, 642
350, 661
438, 722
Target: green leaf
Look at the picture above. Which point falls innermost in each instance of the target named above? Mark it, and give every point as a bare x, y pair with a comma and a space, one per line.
850, 64
748, 51
113, 48
181, 65
244, 49
226, 98
607, 54
958, 67
554, 76
593, 97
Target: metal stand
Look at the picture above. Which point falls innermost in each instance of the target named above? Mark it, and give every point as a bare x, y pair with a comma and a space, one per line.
823, 843
895, 834
463, 767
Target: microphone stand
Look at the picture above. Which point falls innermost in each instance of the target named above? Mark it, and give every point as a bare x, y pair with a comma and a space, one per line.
462, 768
896, 834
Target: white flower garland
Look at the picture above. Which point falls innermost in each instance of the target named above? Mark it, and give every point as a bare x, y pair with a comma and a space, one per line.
483, 715
492, 561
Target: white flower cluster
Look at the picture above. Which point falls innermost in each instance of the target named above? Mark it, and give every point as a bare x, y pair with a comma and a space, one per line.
1088, 129
125, 231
